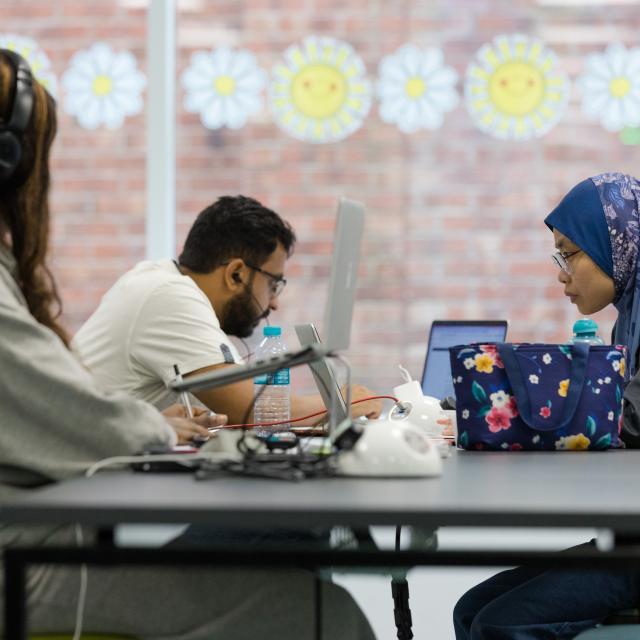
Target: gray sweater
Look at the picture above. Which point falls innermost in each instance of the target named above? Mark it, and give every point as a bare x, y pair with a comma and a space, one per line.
54, 421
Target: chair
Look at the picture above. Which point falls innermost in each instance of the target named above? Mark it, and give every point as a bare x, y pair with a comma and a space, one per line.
624, 616
101, 636
622, 632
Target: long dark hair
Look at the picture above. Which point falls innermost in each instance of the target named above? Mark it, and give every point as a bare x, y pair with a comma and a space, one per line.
24, 203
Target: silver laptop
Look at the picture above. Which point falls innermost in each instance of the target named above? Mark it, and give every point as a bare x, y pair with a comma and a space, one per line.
324, 375
338, 310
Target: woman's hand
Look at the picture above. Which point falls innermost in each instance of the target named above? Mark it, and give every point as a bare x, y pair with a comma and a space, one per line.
197, 427
447, 424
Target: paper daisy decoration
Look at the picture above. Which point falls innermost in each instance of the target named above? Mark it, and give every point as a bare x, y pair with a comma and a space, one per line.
610, 87
35, 56
415, 89
223, 86
103, 87
319, 92
514, 88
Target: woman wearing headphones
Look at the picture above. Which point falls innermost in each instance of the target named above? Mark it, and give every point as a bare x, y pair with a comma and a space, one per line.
596, 235
56, 423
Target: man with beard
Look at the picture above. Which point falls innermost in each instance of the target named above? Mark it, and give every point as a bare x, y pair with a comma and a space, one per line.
165, 313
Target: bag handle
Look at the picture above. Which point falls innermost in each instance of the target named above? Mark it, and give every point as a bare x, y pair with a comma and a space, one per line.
580, 356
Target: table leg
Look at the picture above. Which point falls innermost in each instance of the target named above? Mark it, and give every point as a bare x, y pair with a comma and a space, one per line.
15, 612
318, 606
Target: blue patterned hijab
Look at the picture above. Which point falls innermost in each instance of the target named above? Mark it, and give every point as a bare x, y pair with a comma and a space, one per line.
601, 216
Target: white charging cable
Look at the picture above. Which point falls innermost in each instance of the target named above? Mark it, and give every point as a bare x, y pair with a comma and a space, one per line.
103, 464
405, 374
157, 457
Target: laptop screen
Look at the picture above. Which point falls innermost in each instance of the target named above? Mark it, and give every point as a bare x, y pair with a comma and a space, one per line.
324, 376
436, 376
344, 273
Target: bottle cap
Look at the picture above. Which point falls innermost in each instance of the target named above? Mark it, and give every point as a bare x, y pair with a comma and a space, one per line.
585, 326
271, 331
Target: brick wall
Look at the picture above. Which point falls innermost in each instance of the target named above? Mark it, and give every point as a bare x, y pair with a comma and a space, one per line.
98, 178
454, 226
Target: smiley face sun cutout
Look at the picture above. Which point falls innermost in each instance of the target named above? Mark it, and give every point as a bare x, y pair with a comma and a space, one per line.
514, 88
319, 92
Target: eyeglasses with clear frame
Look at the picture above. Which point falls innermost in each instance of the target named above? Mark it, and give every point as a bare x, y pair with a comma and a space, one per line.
561, 260
277, 283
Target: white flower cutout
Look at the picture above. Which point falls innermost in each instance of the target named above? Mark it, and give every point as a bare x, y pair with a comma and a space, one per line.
223, 86
103, 87
533, 379
514, 89
610, 87
319, 93
38, 60
415, 88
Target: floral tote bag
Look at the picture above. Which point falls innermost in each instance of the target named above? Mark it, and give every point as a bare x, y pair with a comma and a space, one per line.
514, 397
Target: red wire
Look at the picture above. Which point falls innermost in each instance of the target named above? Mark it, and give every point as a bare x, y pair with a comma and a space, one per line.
311, 415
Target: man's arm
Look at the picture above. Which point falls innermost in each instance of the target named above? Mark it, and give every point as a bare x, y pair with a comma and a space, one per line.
235, 400
306, 405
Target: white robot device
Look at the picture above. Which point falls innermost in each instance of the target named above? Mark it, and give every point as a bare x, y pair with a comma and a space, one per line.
396, 446
391, 448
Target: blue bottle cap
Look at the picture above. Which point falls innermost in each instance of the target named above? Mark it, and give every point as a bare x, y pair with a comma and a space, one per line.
585, 326
271, 331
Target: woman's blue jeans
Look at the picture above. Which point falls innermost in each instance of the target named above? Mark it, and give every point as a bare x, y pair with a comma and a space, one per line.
530, 604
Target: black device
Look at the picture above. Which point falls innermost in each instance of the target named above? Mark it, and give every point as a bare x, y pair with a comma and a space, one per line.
279, 440
15, 122
448, 403
147, 463
166, 466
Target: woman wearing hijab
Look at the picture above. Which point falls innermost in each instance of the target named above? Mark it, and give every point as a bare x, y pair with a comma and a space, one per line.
596, 234
56, 424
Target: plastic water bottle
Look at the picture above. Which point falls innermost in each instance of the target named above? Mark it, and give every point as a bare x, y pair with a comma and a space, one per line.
272, 390
585, 330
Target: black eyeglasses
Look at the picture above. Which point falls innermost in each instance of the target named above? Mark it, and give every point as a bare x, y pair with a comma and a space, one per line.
278, 283
561, 260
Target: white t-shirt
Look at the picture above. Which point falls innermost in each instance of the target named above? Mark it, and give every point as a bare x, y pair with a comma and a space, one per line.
152, 318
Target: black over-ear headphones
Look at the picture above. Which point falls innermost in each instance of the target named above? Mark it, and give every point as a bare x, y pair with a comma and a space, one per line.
14, 124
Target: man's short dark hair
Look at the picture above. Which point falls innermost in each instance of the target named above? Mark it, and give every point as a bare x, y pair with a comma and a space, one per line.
235, 227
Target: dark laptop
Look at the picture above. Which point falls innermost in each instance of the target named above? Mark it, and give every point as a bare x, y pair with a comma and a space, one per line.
436, 375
